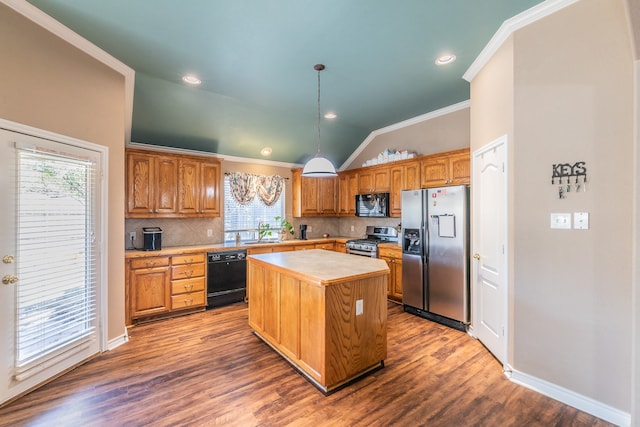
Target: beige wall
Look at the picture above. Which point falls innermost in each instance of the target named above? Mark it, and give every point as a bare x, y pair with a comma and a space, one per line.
572, 101
443, 133
48, 84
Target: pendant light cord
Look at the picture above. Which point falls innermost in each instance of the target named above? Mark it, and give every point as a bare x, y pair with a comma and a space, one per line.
320, 69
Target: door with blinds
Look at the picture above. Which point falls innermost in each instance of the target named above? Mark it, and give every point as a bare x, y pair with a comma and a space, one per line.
50, 267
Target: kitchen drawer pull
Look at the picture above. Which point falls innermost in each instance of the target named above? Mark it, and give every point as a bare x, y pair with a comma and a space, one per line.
188, 287
151, 264
188, 301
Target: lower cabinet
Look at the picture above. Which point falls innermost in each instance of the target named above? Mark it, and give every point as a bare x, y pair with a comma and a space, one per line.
163, 286
393, 257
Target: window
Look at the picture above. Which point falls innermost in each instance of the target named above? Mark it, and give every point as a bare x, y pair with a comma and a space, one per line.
57, 266
244, 218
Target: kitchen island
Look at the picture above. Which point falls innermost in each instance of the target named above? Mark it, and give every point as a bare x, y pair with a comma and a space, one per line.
324, 312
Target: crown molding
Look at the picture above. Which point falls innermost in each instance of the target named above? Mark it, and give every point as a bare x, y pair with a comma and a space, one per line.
510, 26
223, 157
45, 21
400, 125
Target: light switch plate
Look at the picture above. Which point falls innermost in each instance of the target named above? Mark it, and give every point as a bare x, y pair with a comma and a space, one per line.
309, 228
581, 220
359, 307
561, 220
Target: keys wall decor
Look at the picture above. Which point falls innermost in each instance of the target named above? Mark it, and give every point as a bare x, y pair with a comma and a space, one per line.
568, 176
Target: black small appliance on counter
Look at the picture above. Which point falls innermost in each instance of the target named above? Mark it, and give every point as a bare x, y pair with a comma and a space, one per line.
152, 238
303, 231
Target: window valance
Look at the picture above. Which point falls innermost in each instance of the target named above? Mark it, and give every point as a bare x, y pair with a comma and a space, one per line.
245, 187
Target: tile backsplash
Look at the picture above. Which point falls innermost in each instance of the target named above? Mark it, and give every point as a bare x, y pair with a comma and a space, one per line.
193, 231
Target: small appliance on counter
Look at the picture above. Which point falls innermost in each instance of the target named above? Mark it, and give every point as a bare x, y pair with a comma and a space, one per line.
152, 238
303, 231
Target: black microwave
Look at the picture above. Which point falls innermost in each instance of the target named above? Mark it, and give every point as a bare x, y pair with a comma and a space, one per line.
372, 205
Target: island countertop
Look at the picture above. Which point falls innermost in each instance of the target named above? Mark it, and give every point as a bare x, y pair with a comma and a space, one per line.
323, 267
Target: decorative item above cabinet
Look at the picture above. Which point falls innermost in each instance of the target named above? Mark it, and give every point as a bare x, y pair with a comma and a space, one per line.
164, 185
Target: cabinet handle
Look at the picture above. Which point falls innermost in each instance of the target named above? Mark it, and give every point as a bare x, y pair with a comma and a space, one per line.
151, 264
188, 287
188, 302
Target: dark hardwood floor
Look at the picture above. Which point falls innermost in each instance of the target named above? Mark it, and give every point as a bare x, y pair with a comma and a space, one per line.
209, 369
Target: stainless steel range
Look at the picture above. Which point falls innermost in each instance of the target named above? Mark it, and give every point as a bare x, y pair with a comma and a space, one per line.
369, 246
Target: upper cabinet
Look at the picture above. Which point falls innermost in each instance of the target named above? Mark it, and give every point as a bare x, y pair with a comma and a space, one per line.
313, 196
374, 180
451, 168
163, 185
347, 190
404, 176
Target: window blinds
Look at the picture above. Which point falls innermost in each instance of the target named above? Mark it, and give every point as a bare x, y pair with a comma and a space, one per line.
56, 258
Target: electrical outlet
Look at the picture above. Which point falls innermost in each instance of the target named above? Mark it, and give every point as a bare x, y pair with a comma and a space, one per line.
209, 232
309, 228
132, 235
353, 228
359, 307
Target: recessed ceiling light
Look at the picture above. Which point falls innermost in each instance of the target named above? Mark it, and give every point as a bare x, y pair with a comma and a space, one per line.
330, 115
191, 79
445, 59
266, 151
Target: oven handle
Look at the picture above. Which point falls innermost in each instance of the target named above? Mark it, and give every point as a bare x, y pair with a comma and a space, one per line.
371, 254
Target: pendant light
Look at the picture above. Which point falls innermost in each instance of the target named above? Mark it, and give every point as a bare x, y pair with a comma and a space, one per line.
319, 166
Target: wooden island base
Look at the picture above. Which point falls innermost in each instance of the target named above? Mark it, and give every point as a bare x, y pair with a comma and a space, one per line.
324, 312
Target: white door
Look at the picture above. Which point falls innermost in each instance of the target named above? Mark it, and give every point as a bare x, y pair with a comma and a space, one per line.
50, 263
489, 275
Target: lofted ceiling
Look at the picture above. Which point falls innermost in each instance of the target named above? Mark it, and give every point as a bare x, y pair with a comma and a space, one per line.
255, 59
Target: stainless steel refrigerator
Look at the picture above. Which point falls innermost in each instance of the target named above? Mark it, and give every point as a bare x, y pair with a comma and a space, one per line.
435, 254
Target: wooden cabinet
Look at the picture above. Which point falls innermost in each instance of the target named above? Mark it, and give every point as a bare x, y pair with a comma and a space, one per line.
314, 196
393, 257
158, 286
149, 287
188, 285
329, 246
152, 183
347, 190
451, 168
198, 191
171, 186
341, 247
404, 176
374, 180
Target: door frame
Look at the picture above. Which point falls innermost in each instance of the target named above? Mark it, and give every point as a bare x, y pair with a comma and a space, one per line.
102, 210
504, 141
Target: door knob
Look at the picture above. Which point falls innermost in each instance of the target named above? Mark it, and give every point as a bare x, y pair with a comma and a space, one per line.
9, 279
476, 256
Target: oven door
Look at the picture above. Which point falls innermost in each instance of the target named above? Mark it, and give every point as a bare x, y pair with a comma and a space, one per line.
371, 254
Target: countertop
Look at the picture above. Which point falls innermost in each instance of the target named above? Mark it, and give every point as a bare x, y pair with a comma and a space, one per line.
188, 249
323, 267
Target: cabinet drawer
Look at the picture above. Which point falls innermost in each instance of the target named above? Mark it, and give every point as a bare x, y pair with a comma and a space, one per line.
187, 271
191, 299
327, 246
187, 259
149, 262
187, 285
389, 252
305, 247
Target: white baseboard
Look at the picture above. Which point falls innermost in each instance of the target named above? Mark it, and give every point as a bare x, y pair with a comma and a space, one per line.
118, 341
583, 403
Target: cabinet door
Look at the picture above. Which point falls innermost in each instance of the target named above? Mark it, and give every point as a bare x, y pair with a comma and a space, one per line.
150, 291
140, 170
395, 195
434, 172
381, 180
460, 168
411, 177
392, 275
396, 291
309, 196
348, 188
365, 182
210, 188
328, 189
189, 187
166, 185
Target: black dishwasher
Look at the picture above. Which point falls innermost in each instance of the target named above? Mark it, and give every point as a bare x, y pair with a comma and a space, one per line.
226, 277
